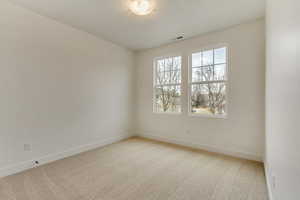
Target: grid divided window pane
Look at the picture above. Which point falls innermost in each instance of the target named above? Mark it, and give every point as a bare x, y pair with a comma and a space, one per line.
167, 85
208, 82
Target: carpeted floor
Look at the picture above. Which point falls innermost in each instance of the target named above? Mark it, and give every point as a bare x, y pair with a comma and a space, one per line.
140, 169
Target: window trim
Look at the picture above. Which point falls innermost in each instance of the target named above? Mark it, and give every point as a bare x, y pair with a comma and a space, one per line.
190, 82
154, 110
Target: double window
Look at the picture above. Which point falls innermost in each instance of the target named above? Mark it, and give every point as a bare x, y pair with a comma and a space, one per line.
207, 83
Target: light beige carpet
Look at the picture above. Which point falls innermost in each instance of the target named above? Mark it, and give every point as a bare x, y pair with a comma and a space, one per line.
140, 169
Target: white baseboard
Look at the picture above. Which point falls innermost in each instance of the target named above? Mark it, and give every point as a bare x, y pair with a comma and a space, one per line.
22, 166
268, 180
209, 148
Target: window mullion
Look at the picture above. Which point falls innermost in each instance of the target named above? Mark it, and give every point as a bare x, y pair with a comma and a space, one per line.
171, 84
208, 82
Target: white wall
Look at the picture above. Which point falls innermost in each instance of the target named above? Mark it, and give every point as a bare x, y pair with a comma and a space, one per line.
283, 98
242, 134
60, 87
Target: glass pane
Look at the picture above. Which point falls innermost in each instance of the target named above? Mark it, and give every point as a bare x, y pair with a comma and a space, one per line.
168, 64
203, 73
162, 78
160, 65
208, 99
220, 72
208, 73
197, 59
208, 57
170, 77
167, 99
175, 77
169, 71
197, 74
220, 55
177, 63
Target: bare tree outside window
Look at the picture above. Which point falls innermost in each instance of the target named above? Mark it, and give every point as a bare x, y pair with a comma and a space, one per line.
167, 85
208, 84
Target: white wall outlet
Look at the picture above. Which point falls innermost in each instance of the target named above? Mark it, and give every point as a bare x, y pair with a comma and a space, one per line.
36, 163
27, 147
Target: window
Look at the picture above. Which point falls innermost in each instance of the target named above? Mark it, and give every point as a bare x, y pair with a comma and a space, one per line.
167, 85
208, 77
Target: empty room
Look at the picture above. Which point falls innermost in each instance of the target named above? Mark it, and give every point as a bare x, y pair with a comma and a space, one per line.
149, 100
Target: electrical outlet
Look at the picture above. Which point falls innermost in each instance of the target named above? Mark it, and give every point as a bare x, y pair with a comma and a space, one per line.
36, 163
27, 147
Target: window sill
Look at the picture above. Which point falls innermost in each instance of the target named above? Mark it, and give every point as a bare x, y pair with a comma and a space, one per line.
167, 113
208, 116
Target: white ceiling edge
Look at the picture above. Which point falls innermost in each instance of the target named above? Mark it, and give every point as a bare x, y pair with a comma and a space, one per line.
69, 25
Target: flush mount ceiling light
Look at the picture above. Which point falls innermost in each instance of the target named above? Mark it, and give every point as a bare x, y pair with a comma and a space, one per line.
141, 7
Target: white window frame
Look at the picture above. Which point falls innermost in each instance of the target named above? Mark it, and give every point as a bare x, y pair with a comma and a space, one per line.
190, 82
154, 110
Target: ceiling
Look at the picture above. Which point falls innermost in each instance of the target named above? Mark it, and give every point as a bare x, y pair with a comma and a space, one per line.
111, 19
